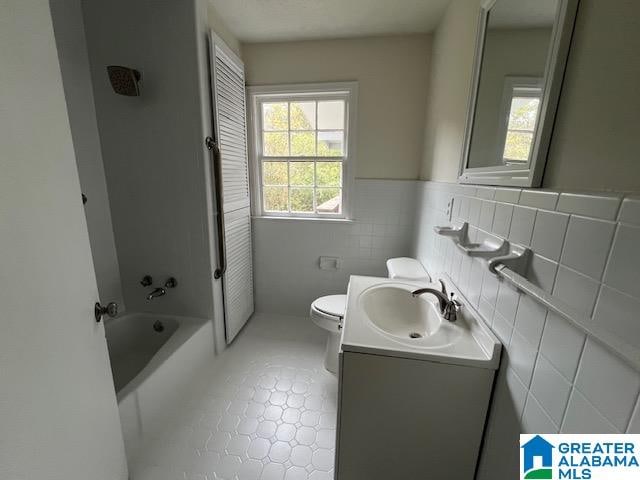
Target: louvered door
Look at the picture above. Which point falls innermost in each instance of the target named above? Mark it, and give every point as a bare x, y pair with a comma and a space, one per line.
230, 125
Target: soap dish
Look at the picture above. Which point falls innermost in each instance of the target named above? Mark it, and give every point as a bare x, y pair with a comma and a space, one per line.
457, 234
487, 249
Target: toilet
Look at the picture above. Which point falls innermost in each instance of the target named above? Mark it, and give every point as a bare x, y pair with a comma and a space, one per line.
328, 312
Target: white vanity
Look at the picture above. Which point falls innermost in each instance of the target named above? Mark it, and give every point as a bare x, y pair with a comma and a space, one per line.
414, 387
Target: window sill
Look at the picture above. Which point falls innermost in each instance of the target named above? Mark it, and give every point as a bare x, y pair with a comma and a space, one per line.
344, 221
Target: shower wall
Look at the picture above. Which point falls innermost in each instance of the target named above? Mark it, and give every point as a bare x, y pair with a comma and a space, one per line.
76, 76
152, 147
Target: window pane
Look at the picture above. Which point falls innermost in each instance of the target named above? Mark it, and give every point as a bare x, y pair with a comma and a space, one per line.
276, 199
276, 144
303, 115
329, 200
523, 113
329, 174
275, 173
518, 146
302, 200
275, 116
330, 144
331, 115
303, 144
301, 173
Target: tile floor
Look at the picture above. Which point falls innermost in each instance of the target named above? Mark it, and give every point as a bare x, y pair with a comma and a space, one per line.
265, 410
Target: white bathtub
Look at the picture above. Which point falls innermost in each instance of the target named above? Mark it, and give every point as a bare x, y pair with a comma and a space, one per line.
151, 369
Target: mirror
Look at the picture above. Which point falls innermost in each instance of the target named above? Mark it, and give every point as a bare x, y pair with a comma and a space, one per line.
521, 54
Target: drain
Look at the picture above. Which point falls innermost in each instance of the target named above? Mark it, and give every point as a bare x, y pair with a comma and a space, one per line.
158, 326
415, 335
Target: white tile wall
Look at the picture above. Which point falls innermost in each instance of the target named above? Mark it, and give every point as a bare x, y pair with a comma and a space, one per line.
609, 384
548, 234
587, 257
522, 225
554, 378
286, 252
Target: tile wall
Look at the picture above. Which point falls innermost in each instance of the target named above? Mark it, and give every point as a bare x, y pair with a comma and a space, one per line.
553, 377
287, 251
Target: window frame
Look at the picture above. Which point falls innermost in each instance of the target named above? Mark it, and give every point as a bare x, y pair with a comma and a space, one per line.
347, 91
518, 86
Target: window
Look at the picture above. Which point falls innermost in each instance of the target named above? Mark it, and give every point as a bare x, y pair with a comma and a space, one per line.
303, 149
521, 104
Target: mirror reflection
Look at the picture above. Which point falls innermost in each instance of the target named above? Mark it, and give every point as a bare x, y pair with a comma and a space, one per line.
511, 83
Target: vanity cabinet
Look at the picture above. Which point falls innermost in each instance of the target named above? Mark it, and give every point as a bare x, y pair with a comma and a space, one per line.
409, 419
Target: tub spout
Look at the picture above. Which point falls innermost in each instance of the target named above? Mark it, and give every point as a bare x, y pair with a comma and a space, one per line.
157, 292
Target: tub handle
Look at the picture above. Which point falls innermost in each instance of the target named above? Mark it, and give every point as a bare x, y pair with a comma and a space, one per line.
111, 309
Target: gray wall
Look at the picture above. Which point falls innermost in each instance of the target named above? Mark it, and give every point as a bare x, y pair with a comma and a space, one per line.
595, 140
152, 147
76, 77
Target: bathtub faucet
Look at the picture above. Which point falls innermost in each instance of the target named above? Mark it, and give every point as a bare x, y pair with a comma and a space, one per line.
157, 292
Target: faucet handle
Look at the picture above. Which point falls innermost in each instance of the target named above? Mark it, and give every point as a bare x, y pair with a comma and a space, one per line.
451, 310
443, 287
455, 301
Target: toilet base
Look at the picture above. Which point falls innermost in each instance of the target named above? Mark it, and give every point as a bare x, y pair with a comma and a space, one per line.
332, 352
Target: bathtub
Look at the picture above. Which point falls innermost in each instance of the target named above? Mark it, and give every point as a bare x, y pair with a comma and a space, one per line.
153, 360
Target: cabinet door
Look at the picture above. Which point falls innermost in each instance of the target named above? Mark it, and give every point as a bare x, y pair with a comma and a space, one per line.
403, 418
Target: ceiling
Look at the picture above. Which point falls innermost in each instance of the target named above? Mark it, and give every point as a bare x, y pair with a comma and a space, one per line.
286, 20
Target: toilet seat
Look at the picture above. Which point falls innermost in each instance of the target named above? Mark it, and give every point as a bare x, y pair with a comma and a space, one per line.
327, 312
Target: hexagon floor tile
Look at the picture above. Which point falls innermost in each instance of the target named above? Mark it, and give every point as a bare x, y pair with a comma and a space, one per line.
266, 410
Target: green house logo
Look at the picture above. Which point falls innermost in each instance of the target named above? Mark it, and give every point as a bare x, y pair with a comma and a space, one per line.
537, 448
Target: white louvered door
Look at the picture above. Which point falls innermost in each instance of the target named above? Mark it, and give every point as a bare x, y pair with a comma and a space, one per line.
230, 125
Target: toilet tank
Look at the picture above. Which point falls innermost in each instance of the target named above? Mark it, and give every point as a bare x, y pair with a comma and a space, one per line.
405, 268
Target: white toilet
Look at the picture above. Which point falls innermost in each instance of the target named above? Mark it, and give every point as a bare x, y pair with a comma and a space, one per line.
328, 312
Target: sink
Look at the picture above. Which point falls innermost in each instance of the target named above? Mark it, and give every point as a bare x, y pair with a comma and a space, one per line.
425, 381
395, 311
383, 318
415, 321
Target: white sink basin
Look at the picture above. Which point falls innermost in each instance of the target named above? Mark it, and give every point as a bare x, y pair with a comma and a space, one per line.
414, 321
395, 311
382, 317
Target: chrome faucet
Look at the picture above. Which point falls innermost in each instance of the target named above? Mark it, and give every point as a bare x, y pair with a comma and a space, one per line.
448, 306
157, 292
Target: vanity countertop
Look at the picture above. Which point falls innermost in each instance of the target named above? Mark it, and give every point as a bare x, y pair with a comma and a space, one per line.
467, 342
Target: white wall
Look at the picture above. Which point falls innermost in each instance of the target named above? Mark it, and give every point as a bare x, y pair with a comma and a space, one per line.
553, 378
152, 146
217, 24
448, 86
287, 273
58, 411
76, 77
391, 73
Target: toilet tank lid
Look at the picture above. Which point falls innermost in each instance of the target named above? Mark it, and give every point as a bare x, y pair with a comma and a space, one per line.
407, 268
